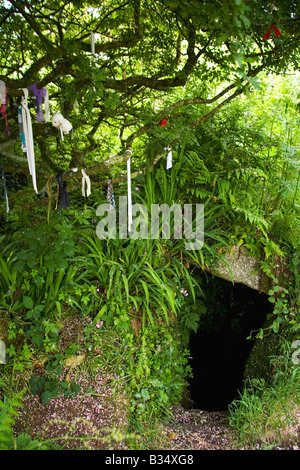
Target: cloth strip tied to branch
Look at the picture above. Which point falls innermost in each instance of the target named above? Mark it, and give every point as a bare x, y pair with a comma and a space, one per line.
21, 129
85, 182
169, 157
5, 192
93, 49
62, 124
39, 94
129, 191
27, 127
63, 196
110, 195
4, 100
276, 30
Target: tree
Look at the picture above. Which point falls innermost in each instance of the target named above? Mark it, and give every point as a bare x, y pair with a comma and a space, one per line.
131, 73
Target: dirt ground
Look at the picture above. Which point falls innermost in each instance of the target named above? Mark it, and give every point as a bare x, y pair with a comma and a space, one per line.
96, 418
99, 420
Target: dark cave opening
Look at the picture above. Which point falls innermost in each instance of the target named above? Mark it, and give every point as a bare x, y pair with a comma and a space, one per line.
220, 348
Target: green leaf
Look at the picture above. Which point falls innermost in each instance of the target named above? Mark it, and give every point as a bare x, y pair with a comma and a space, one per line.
37, 384
64, 384
27, 302
101, 311
145, 395
46, 396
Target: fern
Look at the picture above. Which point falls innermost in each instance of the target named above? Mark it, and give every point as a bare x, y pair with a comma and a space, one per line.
286, 228
8, 412
271, 248
252, 217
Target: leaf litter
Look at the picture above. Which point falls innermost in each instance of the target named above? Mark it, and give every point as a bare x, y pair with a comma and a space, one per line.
97, 418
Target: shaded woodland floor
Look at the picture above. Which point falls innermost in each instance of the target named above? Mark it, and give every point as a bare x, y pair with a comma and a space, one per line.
97, 418
98, 422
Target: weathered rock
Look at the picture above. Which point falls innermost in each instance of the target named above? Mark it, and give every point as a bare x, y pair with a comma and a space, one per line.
258, 365
242, 268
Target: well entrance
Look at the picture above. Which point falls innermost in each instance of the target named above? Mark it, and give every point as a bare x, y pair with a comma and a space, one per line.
220, 347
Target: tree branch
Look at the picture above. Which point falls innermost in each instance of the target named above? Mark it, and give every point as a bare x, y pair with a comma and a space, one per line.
29, 18
14, 86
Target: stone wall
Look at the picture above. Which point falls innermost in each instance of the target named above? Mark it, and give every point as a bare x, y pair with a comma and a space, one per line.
242, 268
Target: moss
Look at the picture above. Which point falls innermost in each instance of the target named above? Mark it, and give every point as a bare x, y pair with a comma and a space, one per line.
258, 364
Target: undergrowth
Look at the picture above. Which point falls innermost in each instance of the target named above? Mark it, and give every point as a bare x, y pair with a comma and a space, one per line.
141, 298
267, 414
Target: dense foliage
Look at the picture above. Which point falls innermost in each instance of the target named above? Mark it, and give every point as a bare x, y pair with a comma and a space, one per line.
178, 61
230, 101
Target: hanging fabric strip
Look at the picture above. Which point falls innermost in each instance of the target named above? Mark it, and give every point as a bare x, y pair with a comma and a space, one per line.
39, 94
85, 181
268, 33
47, 106
62, 124
169, 158
21, 129
129, 191
76, 107
4, 101
49, 193
110, 195
5, 192
63, 196
27, 126
93, 49
92, 42
2, 92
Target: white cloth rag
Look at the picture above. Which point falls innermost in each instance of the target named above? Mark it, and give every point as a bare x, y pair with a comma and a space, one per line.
27, 126
129, 198
86, 182
169, 158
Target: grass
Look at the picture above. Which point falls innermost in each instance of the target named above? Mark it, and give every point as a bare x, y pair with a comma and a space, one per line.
268, 415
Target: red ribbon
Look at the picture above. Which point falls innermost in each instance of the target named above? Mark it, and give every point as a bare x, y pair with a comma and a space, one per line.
277, 32
163, 122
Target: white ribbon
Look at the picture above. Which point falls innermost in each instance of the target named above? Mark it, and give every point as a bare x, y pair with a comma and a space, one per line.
92, 42
2, 92
47, 106
85, 181
5, 192
129, 192
75, 107
27, 126
7, 203
169, 158
93, 49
